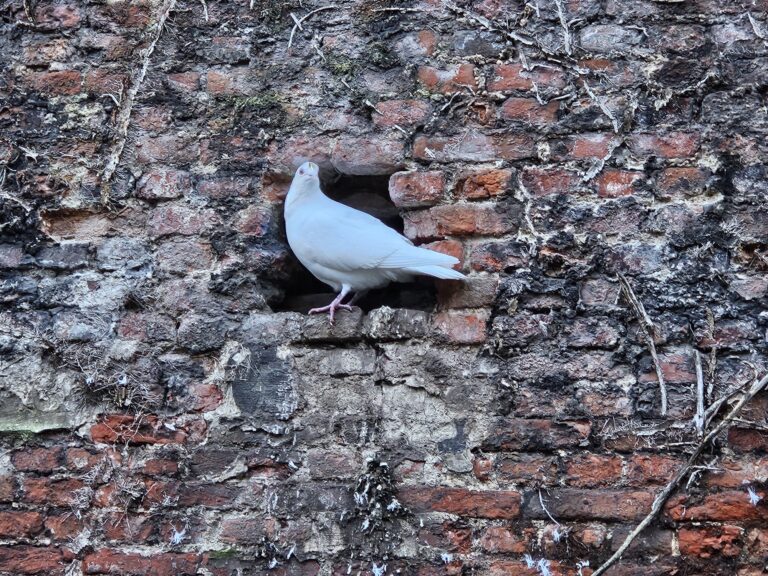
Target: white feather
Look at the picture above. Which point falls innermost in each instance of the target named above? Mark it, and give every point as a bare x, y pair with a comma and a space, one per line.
342, 246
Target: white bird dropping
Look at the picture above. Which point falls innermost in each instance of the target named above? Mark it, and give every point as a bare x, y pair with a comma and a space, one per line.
350, 250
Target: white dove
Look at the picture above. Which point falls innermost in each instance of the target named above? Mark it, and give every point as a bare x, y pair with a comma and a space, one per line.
350, 250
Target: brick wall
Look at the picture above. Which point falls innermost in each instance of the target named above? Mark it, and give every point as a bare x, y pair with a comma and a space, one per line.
159, 415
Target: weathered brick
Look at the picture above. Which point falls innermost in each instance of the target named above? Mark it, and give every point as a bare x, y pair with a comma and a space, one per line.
458, 220
475, 292
38, 459
50, 492
527, 468
500, 504
593, 333
50, 560
401, 113
680, 183
105, 561
184, 81
253, 221
163, 184
706, 542
416, 189
645, 469
64, 82
506, 77
7, 489
485, 184
592, 470
747, 440
368, 156
578, 504
609, 38
498, 256
536, 434
595, 146
462, 327
453, 79
20, 524
473, 147
729, 506
544, 181
615, 183
671, 145
177, 219
498, 539
529, 111
123, 428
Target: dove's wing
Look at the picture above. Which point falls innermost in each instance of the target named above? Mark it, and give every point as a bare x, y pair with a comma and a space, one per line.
342, 238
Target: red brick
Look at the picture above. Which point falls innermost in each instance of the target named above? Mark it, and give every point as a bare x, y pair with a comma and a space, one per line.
38, 459
368, 156
64, 527
726, 506
500, 504
105, 561
415, 189
536, 434
672, 145
64, 82
528, 468
253, 221
205, 397
159, 467
100, 82
450, 536
710, 541
529, 110
498, 539
599, 292
50, 492
163, 184
581, 504
401, 113
82, 460
615, 183
498, 256
645, 469
594, 146
417, 45
748, 440
184, 81
505, 77
457, 220
119, 428
474, 292
482, 468
750, 287
485, 184
592, 470
54, 16
544, 181
242, 531
737, 473
175, 219
233, 82
453, 79
122, 527
591, 535
30, 560
680, 183
7, 489
451, 247
170, 149
462, 327
677, 368
20, 524
473, 147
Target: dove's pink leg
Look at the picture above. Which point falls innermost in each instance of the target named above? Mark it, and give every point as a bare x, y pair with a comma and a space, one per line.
335, 305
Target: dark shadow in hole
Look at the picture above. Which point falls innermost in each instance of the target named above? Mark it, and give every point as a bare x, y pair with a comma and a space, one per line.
369, 194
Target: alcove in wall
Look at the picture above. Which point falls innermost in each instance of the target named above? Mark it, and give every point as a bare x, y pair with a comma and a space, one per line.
369, 194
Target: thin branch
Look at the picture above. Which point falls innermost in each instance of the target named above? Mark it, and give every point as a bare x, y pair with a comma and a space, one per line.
698, 419
662, 496
646, 324
124, 115
299, 21
543, 507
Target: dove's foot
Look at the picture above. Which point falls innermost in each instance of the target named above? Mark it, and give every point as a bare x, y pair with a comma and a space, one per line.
331, 309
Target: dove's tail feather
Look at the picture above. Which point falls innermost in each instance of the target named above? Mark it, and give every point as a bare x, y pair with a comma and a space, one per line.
436, 271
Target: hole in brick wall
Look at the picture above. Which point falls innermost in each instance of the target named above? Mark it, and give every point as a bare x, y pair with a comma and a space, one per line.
369, 194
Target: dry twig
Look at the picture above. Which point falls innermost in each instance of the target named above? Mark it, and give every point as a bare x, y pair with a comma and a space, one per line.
662, 496
298, 21
646, 324
698, 419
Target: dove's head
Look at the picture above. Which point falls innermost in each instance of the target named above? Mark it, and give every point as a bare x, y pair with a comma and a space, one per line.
305, 182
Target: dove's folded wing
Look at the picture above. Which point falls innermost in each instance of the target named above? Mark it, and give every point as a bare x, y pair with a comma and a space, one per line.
342, 238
